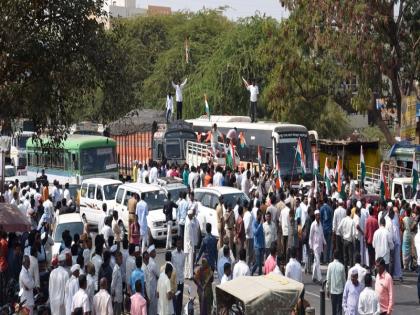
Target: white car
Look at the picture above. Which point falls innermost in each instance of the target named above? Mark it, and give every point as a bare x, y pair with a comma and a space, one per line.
155, 199
94, 193
69, 221
208, 198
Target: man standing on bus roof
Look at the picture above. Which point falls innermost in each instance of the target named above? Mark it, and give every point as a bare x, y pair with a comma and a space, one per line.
232, 135
253, 97
169, 107
178, 97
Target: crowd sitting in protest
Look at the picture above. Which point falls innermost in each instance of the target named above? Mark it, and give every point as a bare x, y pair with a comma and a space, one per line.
281, 230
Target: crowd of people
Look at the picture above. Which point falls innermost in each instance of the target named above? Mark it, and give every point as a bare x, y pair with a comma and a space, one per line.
280, 230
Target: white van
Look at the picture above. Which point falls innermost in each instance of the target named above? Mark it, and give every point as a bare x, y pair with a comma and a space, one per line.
155, 197
94, 193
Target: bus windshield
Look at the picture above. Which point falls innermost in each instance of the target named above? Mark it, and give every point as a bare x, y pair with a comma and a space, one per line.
21, 141
97, 160
155, 199
286, 153
173, 149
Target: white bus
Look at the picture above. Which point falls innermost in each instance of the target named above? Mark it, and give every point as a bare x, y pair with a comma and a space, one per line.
277, 141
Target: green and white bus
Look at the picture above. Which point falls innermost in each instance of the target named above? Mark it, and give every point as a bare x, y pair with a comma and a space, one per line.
76, 158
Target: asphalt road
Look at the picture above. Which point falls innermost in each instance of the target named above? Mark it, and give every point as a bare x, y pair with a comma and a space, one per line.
406, 301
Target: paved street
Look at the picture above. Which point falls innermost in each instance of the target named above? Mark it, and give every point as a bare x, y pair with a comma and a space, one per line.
406, 302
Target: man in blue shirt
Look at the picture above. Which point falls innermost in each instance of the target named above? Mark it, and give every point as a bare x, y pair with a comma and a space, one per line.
138, 274
326, 221
209, 248
259, 245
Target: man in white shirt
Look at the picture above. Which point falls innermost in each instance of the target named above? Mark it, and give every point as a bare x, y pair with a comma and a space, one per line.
117, 285
178, 261
90, 279
107, 230
246, 183
153, 174
241, 268
270, 232
253, 97
339, 215
249, 237
336, 280
142, 211
169, 107
347, 232
316, 243
368, 300
227, 273
178, 97
293, 267
360, 270
218, 177
102, 301
26, 285
383, 243
81, 299
56, 288
72, 286
66, 193
284, 222
193, 178
165, 305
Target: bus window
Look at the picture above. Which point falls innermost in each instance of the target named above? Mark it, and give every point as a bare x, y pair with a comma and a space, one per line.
75, 162
91, 191
120, 195
97, 160
99, 193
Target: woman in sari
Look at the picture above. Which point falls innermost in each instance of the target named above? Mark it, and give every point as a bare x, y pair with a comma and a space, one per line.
406, 243
203, 278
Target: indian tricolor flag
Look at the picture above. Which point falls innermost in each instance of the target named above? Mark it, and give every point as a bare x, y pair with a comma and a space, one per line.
259, 156
300, 156
415, 174
327, 176
242, 140
362, 167
338, 174
385, 195
207, 106
279, 181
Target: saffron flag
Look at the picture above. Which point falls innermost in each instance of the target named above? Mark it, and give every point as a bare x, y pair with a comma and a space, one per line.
187, 51
300, 156
415, 175
327, 177
242, 140
207, 106
338, 174
385, 194
259, 155
362, 167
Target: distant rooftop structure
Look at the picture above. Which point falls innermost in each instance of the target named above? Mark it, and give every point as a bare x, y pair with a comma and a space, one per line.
158, 10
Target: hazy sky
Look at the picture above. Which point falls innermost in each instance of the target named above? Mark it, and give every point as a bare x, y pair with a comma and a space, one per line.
238, 8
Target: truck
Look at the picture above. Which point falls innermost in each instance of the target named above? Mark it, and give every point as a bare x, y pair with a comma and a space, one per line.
202, 153
398, 178
142, 135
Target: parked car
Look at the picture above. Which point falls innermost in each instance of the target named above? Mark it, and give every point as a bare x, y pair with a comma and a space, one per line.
208, 198
155, 197
69, 221
93, 194
172, 185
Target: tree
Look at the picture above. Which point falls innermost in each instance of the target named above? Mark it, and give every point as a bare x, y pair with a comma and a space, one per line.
376, 41
50, 55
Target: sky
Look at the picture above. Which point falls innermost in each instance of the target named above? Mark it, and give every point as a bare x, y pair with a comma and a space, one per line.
238, 8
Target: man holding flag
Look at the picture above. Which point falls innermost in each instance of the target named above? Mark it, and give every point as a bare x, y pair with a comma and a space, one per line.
178, 97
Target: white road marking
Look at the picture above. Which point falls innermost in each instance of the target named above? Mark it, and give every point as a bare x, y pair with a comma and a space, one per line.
313, 294
407, 286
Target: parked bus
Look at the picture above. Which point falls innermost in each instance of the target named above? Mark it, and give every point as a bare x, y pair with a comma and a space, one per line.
76, 158
277, 141
18, 150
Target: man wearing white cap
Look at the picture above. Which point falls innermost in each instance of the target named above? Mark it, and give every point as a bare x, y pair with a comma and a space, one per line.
351, 294
56, 288
81, 299
316, 243
72, 286
339, 215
